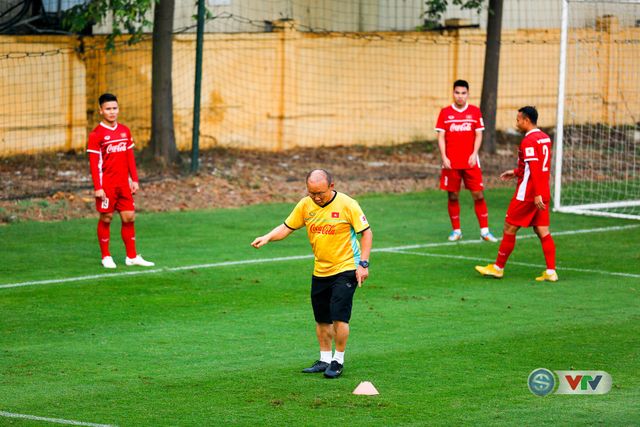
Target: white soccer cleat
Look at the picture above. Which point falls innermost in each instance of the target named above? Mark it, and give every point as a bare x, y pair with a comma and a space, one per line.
107, 262
488, 237
455, 236
138, 260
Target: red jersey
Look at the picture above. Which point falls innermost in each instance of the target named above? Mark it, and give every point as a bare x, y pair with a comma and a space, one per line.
459, 127
533, 172
111, 156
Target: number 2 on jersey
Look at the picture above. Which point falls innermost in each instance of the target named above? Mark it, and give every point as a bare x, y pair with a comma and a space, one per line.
545, 162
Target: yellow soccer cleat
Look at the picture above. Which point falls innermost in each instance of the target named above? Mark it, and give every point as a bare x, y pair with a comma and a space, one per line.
490, 270
548, 277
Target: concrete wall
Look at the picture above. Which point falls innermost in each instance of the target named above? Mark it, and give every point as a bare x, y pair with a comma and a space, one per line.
42, 95
234, 16
286, 88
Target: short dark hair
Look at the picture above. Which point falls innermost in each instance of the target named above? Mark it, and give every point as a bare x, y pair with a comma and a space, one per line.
326, 174
106, 97
530, 112
461, 83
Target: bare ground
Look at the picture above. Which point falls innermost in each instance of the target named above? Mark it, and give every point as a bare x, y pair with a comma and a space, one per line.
58, 187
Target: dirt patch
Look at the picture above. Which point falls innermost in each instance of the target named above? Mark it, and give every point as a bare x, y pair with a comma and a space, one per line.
59, 187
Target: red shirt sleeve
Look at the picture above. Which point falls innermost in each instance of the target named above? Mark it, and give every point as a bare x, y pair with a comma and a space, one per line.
131, 159
93, 148
480, 124
94, 160
440, 123
518, 172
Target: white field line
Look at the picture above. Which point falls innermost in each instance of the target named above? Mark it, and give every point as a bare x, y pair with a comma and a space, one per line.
155, 270
526, 236
526, 264
51, 420
299, 257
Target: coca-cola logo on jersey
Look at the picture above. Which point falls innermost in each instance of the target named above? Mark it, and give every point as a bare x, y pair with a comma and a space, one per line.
323, 229
117, 148
460, 127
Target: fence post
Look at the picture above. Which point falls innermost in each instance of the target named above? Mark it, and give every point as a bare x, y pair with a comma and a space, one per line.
195, 139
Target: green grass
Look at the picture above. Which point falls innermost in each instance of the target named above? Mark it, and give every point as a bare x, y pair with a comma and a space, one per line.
224, 345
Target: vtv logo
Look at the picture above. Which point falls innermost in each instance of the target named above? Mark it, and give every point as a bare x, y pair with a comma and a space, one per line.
583, 382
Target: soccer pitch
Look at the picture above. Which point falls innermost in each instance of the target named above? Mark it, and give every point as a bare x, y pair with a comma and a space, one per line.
217, 332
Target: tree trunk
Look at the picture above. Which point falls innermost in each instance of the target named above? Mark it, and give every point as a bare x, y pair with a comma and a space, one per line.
163, 139
489, 101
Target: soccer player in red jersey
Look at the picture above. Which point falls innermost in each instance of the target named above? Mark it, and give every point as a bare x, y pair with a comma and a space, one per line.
111, 159
530, 203
459, 130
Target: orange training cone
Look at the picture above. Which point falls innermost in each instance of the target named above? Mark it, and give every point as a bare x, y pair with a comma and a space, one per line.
365, 388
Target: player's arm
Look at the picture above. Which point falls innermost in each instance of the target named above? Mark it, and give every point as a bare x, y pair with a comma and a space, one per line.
512, 173
366, 241
477, 143
442, 145
94, 160
278, 233
518, 172
507, 175
93, 150
133, 172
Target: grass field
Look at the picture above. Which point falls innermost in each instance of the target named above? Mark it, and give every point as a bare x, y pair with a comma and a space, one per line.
205, 339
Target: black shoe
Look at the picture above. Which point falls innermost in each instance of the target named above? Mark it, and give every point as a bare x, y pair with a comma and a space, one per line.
318, 366
334, 370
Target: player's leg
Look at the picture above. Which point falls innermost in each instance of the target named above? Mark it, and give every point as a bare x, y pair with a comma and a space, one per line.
325, 334
507, 244
104, 232
126, 207
480, 207
482, 213
128, 232
105, 207
450, 181
343, 289
473, 182
548, 247
104, 235
453, 206
340, 337
519, 214
321, 303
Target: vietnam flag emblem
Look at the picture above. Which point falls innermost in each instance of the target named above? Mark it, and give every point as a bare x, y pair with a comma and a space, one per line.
335, 214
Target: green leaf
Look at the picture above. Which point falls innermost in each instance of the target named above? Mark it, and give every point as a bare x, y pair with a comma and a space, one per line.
436, 8
129, 15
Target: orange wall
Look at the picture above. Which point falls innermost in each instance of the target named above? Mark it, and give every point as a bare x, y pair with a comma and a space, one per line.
283, 89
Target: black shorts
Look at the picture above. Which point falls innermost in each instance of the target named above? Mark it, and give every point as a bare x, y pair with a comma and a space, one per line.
332, 296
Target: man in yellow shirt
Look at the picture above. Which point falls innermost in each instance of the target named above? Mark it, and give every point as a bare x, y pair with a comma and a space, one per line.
333, 220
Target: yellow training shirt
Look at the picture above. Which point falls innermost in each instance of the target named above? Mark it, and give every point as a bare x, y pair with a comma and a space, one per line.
332, 231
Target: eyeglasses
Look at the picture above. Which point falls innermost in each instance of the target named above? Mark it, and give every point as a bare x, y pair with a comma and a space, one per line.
318, 194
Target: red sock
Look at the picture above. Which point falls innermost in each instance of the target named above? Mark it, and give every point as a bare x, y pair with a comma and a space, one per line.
505, 249
454, 214
482, 213
549, 250
104, 234
128, 233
